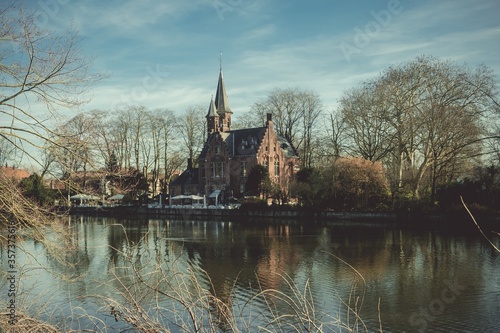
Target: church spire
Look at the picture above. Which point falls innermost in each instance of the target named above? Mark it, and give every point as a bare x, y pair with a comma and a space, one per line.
212, 118
211, 108
221, 100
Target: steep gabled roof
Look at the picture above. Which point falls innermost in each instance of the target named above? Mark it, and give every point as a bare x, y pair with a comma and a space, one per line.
245, 141
204, 150
221, 100
14, 173
188, 177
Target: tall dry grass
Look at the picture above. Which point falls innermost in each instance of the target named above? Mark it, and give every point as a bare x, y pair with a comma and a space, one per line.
151, 294
31, 221
159, 292
170, 296
24, 219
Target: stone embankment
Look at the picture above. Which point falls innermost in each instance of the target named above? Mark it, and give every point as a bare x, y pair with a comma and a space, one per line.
449, 221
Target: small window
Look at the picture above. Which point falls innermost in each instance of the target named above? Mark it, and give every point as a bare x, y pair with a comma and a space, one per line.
221, 169
243, 169
276, 168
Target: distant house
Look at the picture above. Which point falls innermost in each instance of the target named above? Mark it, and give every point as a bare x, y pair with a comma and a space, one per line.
13, 173
228, 155
186, 183
56, 184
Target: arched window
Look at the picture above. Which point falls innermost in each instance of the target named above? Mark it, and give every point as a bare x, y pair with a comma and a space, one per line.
212, 169
221, 169
243, 168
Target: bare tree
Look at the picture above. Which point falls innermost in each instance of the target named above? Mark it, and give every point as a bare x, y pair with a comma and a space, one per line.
363, 113
421, 118
121, 130
295, 116
73, 147
312, 108
7, 150
104, 140
139, 115
48, 160
287, 113
191, 129
39, 70
333, 142
170, 159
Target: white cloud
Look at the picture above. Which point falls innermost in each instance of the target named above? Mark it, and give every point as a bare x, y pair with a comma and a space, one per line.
258, 33
263, 47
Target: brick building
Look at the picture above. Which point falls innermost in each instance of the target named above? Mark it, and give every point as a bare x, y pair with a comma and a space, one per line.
228, 155
13, 173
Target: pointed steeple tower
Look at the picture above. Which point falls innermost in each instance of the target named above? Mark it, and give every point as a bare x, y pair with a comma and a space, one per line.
212, 118
222, 103
221, 100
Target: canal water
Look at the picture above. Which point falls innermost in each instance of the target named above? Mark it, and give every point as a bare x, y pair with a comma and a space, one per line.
272, 276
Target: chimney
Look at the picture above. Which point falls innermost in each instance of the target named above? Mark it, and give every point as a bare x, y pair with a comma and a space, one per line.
190, 163
269, 118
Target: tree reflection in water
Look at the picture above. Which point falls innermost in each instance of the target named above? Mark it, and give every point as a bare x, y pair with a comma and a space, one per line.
209, 276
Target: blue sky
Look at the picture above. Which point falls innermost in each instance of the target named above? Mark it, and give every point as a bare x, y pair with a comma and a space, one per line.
165, 54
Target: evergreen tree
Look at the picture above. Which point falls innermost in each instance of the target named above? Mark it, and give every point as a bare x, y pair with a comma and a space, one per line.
33, 188
257, 181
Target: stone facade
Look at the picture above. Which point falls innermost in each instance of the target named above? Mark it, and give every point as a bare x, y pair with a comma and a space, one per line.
228, 155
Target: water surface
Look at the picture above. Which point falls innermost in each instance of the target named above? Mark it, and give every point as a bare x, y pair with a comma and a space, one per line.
402, 280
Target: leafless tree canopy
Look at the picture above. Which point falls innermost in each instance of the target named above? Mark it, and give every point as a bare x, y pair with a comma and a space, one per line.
426, 118
122, 142
191, 129
296, 116
40, 73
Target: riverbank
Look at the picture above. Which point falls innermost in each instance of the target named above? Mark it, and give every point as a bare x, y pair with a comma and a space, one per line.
455, 219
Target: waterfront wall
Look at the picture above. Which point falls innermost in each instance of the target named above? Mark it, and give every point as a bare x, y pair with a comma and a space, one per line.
449, 221
230, 214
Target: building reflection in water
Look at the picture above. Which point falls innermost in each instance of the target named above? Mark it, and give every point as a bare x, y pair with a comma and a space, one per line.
404, 269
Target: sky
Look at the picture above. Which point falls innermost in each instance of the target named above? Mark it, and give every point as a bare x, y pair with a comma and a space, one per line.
166, 54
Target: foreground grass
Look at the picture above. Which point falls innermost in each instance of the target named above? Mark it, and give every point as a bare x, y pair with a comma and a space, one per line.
169, 296
153, 295
157, 295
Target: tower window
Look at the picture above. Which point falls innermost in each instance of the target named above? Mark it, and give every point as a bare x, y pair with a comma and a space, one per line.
243, 169
221, 168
